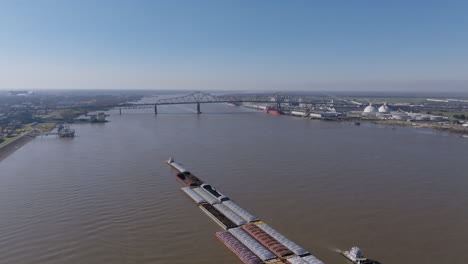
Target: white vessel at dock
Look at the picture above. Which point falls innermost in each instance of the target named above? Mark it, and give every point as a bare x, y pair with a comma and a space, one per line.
65, 131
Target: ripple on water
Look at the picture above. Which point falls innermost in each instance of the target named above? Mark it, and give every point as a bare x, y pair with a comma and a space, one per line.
107, 196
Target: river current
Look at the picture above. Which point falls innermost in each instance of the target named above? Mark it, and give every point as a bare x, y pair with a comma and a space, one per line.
106, 196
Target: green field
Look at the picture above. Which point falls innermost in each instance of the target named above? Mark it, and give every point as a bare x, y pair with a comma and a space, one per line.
8, 140
45, 127
63, 114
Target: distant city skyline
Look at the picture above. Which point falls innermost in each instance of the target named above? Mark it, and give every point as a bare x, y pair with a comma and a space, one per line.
239, 45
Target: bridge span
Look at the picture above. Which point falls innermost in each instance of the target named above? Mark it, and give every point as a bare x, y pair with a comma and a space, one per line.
278, 99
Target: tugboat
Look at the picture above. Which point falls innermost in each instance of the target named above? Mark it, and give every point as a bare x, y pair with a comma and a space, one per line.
65, 131
355, 256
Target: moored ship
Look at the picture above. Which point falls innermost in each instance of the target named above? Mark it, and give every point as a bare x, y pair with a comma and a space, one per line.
272, 110
65, 131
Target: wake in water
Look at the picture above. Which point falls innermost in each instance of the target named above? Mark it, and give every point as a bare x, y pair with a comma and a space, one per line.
337, 250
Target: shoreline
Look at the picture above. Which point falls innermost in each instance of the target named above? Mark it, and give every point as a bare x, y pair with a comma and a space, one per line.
8, 149
459, 130
456, 130
46, 125
22, 140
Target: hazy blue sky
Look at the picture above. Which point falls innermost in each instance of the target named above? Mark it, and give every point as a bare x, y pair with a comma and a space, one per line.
236, 44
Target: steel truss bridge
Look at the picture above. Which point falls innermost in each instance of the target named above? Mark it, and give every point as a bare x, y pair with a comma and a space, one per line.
279, 100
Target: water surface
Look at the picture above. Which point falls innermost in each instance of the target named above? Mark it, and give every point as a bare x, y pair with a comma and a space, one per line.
106, 196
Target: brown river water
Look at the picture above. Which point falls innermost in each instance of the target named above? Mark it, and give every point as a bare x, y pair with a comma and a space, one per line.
106, 196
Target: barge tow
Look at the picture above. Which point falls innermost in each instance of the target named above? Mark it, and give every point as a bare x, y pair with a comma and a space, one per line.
250, 239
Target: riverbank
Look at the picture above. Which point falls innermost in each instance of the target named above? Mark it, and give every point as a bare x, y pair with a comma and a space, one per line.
12, 146
458, 129
8, 148
446, 128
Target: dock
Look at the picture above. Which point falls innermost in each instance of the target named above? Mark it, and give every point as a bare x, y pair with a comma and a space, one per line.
245, 235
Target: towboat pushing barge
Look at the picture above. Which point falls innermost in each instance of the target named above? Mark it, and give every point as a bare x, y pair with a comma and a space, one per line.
355, 256
251, 240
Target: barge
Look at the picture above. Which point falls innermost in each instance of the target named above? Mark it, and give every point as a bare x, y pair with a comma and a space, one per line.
184, 176
240, 211
214, 192
267, 241
262, 252
188, 179
217, 216
282, 239
197, 199
206, 195
250, 239
241, 251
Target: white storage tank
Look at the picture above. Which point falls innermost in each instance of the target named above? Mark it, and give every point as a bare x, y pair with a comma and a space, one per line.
370, 109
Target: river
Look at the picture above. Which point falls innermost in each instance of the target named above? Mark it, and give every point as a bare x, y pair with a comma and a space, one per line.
106, 196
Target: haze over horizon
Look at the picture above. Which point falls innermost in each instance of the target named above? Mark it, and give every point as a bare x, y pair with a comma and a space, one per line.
239, 45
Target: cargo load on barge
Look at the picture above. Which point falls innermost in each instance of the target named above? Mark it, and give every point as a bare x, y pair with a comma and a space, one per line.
214, 192
241, 251
192, 194
250, 239
205, 195
266, 240
217, 216
184, 176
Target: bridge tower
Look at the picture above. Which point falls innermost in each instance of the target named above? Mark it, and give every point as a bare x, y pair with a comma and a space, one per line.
198, 108
155, 109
